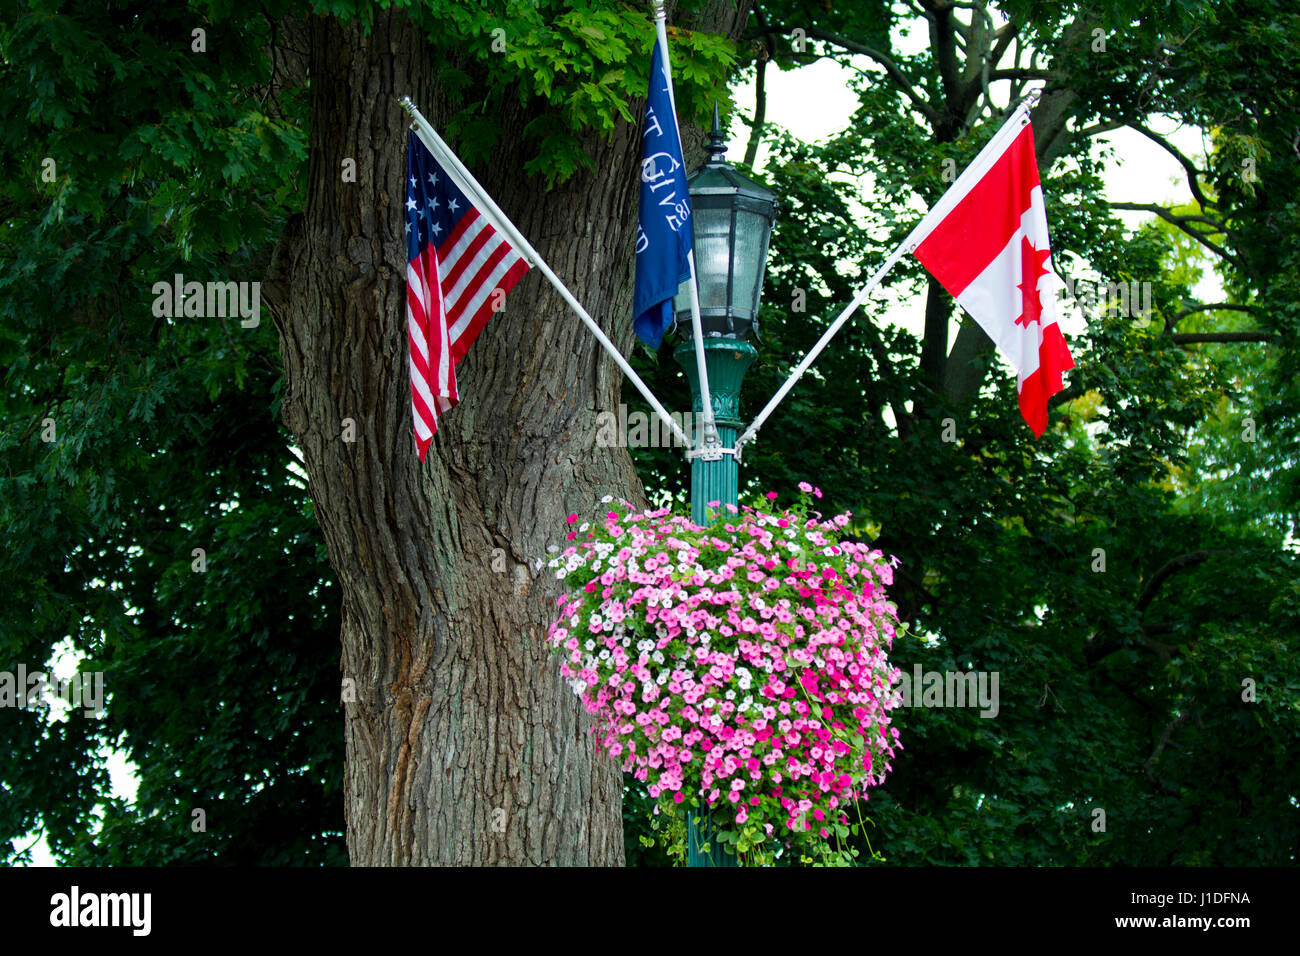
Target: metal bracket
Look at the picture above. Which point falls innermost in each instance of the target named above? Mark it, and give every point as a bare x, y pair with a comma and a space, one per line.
712, 449
712, 453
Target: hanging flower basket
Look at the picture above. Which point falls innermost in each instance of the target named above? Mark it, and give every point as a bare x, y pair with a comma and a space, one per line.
739, 668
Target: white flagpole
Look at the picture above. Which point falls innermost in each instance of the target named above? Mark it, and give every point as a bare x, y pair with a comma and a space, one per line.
471, 187
816, 350
710, 436
980, 165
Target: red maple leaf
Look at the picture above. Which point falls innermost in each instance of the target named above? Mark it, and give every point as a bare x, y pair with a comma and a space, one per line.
1031, 270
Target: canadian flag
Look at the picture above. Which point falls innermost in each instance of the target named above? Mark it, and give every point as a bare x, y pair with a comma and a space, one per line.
985, 241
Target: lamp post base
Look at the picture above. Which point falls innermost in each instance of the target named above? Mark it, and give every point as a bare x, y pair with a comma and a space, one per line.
725, 361
699, 836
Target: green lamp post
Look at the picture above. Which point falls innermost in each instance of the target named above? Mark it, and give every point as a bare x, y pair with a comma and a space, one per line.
732, 222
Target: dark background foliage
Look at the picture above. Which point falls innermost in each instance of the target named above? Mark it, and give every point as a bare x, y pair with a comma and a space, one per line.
1124, 575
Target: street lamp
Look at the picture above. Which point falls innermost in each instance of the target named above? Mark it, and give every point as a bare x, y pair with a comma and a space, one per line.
732, 222
733, 218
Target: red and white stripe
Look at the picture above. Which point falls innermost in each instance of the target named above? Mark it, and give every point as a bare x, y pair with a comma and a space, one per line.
450, 295
983, 230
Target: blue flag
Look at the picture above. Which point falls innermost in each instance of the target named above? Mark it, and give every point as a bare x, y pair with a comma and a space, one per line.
663, 236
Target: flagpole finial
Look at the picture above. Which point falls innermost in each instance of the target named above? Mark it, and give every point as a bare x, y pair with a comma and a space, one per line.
660, 12
405, 103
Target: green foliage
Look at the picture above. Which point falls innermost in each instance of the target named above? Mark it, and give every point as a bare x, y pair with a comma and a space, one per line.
221, 685
650, 836
130, 157
1121, 689
1130, 575
576, 69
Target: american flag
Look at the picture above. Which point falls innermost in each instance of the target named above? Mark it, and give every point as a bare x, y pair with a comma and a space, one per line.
458, 271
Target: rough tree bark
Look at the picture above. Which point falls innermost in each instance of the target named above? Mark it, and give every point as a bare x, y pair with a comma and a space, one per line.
463, 745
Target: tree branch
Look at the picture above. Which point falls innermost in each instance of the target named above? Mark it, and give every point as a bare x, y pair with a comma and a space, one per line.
1095, 651
890, 67
943, 46
1068, 394
760, 112
1023, 73
1096, 129
760, 88
1003, 40
1194, 338
1181, 223
1176, 218
1169, 569
1193, 174
1172, 322
934, 343
1164, 741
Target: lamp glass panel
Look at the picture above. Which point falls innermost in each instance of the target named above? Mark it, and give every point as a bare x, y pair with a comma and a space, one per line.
766, 234
747, 261
712, 255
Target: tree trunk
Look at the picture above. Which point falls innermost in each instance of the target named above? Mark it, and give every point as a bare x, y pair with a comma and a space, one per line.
463, 744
